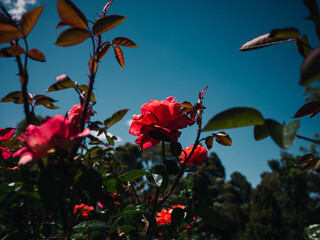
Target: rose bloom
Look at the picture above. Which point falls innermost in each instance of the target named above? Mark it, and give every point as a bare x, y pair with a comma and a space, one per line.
198, 157
159, 118
57, 131
165, 215
6, 135
75, 114
85, 209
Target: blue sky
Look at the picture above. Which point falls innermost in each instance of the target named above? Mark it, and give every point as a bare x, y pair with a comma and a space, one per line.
184, 46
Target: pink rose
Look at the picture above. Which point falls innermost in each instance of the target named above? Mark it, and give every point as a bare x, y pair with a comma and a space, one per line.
75, 114
57, 131
198, 157
6, 135
159, 120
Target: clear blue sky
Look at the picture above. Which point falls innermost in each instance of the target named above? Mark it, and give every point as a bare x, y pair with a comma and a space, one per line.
184, 46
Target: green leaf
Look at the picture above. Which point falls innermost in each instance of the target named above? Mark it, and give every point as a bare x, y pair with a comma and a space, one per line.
122, 41
310, 70
36, 55
9, 36
303, 46
72, 36
260, 132
106, 23
71, 15
283, 135
171, 167
62, 82
274, 37
312, 232
84, 89
175, 148
45, 101
29, 19
177, 216
11, 51
116, 117
233, 118
126, 228
155, 179
15, 97
132, 175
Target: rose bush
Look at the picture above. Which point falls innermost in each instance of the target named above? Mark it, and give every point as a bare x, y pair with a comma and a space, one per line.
198, 157
159, 120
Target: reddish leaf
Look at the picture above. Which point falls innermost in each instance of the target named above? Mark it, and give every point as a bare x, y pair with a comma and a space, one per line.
9, 36
122, 41
7, 24
36, 55
62, 82
305, 159
61, 24
106, 23
11, 51
311, 108
310, 161
209, 142
95, 64
72, 36
45, 101
15, 97
186, 107
223, 139
103, 50
29, 19
119, 55
71, 15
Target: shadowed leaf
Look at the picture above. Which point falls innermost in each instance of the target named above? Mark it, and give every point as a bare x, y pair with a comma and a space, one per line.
313, 164
310, 70
303, 46
177, 216
45, 101
15, 97
233, 118
11, 51
71, 15
116, 117
312, 232
84, 89
103, 50
36, 55
72, 36
209, 142
119, 55
106, 23
175, 148
311, 108
283, 135
9, 36
122, 41
62, 82
29, 19
186, 107
260, 132
223, 139
307, 158
132, 175
60, 24
95, 65
274, 37
7, 24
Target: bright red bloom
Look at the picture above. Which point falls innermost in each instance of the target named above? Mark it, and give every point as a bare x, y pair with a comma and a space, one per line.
159, 119
6, 135
198, 157
57, 131
85, 209
165, 215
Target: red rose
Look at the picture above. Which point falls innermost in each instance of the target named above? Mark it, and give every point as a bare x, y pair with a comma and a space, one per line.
85, 209
6, 135
57, 131
198, 157
75, 114
159, 120
165, 215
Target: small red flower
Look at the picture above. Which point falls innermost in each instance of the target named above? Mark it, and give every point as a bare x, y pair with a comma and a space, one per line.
6, 135
85, 209
198, 157
57, 131
159, 120
75, 114
165, 215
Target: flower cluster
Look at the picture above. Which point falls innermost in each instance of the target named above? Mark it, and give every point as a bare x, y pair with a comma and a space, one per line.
85, 209
56, 132
165, 215
198, 157
159, 120
6, 135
